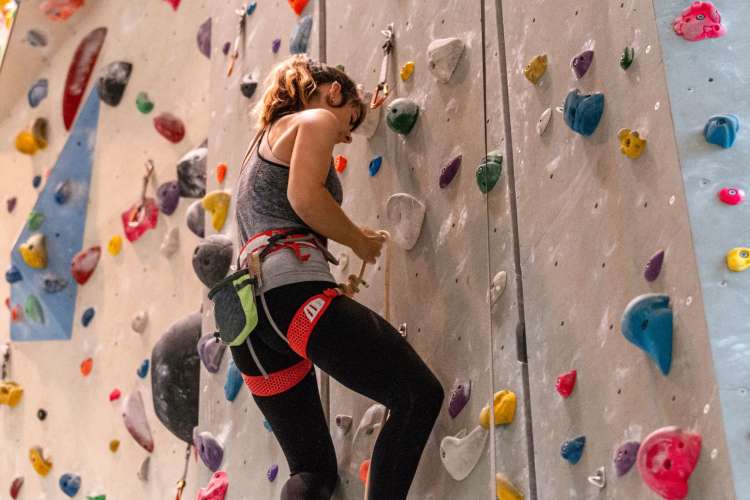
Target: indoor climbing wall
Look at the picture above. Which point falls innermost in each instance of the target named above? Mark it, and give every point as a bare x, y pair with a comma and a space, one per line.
589, 221
84, 316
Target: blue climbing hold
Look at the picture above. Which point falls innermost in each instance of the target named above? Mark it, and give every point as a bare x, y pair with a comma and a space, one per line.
53, 282
722, 130
62, 192
572, 450
88, 315
70, 484
251, 8
301, 35
583, 112
234, 382
36, 181
648, 323
13, 275
375, 165
143, 369
38, 92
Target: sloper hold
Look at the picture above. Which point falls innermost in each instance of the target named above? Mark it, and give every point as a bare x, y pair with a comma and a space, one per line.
170, 127
489, 171
504, 407
666, 460
170, 243
203, 37
402, 115
298, 6
449, 172
566, 383
248, 85
732, 195
583, 112
113, 82
70, 484
10, 393
372, 119
25, 143
722, 130
212, 258
536, 68
460, 395
216, 488
631, 143
41, 464
572, 450
653, 266
139, 322
300, 35
581, 63
505, 490
210, 352
738, 259
168, 197
233, 382
443, 55
139, 218
15, 487
217, 204
647, 323
209, 449
699, 21
195, 218
79, 73
625, 457
461, 453
191, 173
134, 416
34, 251
406, 214
84, 264
370, 423
38, 92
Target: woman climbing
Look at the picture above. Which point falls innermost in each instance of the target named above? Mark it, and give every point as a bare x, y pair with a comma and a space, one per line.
288, 206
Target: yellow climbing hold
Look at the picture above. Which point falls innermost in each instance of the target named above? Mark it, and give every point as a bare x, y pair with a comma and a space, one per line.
41, 465
217, 203
114, 445
738, 259
505, 409
10, 393
115, 245
407, 70
536, 68
25, 143
34, 251
505, 489
631, 144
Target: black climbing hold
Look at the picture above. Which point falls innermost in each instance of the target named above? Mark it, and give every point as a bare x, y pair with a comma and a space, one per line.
36, 181
113, 81
191, 173
248, 85
41, 414
212, 258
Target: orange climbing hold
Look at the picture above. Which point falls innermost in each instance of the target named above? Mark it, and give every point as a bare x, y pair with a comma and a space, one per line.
221, 172
10, 393
364, 471
86, 366
340, 163
298, 6
60, 10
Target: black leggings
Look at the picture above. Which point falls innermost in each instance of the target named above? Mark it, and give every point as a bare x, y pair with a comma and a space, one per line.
362, 351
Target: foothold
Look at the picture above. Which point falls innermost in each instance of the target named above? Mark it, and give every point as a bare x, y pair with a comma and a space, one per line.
460, 395
631, 143
583, 112
372, 118
84, 264
401, 115
505, 490
699, 21
216, 488
221, 172
581, 63
70, 484
87, 316
566, 383
344, 422
13, 275
86, 366
36, 181
10, 393
298, 6
212, 258
41, 464
543, 123
667, 458
168, 197
195, 218
144, 104
114, 445
406, 214
139, 218
32, 308
41, 414
625, 457
35, 220
15, 313
142, 473
248, 85
226, 48
115, 245
653, 266
738, 259
26, 144
461, 453
369, 425
722, 130
627, 58
134, 416
211, 351
272, 472
276, 45
340, 163
174, 3
647, 322
63, 191
572, 450
217, 204
251, 6
599, 479
364, 471
139, 322
191, 173
374, 166
499, 282
448, 173
143, 369
10, 204
489, 171
301, 35
114, 80
170, 243
170, 127
40, 132
15, 487
407, 70
36, 38
443, 55
60, 10
204, 38
505, 409
732, 195
38, 92
79, 73
115, 395
535, 70
233, 382
209, 449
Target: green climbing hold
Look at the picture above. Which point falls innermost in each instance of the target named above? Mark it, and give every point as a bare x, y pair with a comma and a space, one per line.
143, 103
33, 309
489, 171
627, 58
35, 220
402, 115
97, 497
340, 67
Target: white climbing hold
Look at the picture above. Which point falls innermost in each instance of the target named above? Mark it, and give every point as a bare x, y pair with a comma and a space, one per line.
406, 214
599, 479
543, 123
365, 434
134, 416
344, 422
143, 469
498, 286
372, 119
140, 320
170, 243
443, 55
461, 453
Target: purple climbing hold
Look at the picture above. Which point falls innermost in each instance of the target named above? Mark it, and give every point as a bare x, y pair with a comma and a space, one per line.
582, 62
204, 38
36, 181
273, 471
10, 204
459, 397
87, 316
168, 197
209, 449
276, 45
653, 268
450, 171
225, 48
210, 350
625, 457
38, 92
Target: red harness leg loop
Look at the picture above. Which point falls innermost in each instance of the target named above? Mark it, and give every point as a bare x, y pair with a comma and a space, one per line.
278, 382
306, 318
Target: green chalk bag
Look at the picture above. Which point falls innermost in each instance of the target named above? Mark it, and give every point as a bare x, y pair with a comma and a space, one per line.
235, 311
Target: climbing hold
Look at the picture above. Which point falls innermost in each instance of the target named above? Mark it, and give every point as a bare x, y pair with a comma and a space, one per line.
36, 38
344, 422
63, 191
443, 55
174, 3
667, 458
217, 204
221, 172
37, 92
233, 382
654, 265
210, 352
298, 6
583, 112
301, 35
627, 57
497, 287
10, 204
738, 259
70, 484
572, 449
340, 163
581, 63
599, 479
699, 21
364, 471
115, 395
251, 6
275, 45
170, 243
60, 10
84, 263
32, 308
139, 322
36, 181
10, 393
168, 197
115, 245
195, 217
144, 104
505, 490
139, 218
566, 383
87, 316
732, 195
41, 414
170, 127
143, 369
402, 115
407, 70
406, 214
212, 258
13, 275
489, 171
631, 144
191, 173
375, 164
41, 464
449, 171
209, 449
365, 434
86, 366
97, 497
40, 132
25, 143
216, 488
114, 445
543, 123
113, 82
647, 323
142, 473
272, 472
134, 416
505, 409
372, 118
79, 73
15, 313
461, 453
459, 397
625, 456
15, 487
248, 85
204, 38
535, 70
35, 220
722, 130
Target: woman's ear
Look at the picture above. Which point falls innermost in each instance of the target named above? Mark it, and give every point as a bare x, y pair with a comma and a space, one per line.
334, 93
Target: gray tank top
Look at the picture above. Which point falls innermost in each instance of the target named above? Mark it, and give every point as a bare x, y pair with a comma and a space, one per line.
262, 204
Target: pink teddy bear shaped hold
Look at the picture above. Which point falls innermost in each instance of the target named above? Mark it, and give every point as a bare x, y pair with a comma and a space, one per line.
699, 21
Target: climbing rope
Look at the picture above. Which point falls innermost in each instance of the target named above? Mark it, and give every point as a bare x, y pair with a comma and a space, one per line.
181, 483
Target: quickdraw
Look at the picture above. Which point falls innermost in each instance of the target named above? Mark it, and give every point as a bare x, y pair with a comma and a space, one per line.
383, 89
241, 22
138, 213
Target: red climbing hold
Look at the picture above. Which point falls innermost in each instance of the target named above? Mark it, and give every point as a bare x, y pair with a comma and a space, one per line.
84, 263
115, 395
340, 163
173, 3
79, 73
139, 218
60, 10
221, 172
298, 6
170, 127
565, 383
15, 487
666, 459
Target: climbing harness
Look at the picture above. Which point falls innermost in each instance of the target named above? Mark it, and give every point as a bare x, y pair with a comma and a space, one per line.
383, 89
138, 213
241, 22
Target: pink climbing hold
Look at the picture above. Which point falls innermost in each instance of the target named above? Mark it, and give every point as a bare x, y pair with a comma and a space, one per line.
216, 488
666, 459
139, 218
84, 263
134, 416
699, 21
732, 195
170, 127
565, 383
